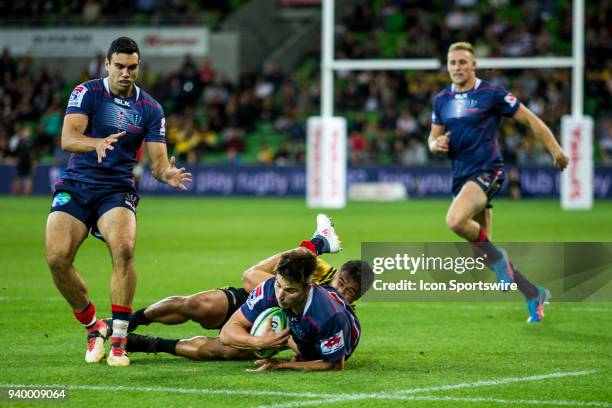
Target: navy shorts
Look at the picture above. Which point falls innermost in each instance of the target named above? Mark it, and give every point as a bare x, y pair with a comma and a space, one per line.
491, 181
87, 202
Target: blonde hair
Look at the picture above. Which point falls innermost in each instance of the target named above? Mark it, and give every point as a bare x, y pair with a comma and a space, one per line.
462, 46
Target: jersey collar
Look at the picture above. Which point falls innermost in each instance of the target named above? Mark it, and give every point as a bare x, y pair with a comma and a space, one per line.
309, 300
478, 81
105, 81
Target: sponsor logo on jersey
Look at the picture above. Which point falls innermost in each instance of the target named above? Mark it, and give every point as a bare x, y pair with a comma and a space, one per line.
332, 344
61, 199
510, 99
122, 102
162, 128
255, 296
76, 97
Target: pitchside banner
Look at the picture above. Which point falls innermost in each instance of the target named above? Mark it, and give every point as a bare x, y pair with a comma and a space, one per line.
277, 181
326, 163
85, 42
577, 179
571, 271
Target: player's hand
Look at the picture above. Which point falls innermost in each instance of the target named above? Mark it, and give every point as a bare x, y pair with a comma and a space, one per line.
102, 145
271, 340
176, 177
561, 160
266, 364
440, 144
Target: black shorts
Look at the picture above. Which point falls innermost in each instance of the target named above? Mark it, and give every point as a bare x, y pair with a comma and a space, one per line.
491, 181
87, 202
236, 297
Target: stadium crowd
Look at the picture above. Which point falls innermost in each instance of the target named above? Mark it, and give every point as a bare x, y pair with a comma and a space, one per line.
261, 118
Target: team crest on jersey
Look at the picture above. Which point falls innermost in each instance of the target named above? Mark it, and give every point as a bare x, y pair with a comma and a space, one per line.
61, 199
510, 99
332, 344
76, 97
255, 296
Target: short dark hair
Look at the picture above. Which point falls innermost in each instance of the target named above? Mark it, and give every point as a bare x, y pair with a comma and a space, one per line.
123, 45
297, 266
361, 272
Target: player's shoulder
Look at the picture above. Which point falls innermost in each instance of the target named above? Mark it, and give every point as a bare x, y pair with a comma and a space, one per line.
147, 99
446, 92
95, 85
486, 86
327, 303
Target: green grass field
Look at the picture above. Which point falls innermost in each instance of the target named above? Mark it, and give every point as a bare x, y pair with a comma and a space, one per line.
411, 354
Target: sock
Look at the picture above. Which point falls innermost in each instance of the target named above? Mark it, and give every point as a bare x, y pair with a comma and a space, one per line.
166, 346
87, 316
528, 289
138, 318
121, 317
309, 246
482, 244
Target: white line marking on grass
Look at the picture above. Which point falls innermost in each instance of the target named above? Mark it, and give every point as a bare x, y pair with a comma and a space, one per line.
171, 390
506, 402
403, 393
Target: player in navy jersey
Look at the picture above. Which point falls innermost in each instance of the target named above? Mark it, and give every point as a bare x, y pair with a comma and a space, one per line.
213, 308
465, 119
322, 324
106, 122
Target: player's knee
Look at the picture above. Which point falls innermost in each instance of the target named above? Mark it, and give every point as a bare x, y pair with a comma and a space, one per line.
198, 305
454, 223
58, 260
123, 252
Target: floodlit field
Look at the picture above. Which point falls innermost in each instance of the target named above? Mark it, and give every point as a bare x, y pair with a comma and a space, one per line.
410, 354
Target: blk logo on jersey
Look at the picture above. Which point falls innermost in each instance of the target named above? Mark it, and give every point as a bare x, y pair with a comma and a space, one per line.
332, 344
122, 102
76, 97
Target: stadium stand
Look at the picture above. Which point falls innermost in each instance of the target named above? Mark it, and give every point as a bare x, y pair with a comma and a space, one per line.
261, 117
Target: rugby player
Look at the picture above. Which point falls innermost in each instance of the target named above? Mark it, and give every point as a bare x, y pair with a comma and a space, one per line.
106, 122
321, 322
465, 119
213, 308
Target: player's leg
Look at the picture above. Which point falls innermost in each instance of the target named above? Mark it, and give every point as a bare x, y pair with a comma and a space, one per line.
196, 348
461, 217
497, 259
209, 308
63, 236
485, 220
467, 205
118, 227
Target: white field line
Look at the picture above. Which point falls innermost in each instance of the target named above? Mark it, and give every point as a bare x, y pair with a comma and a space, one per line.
172, 390
403, 393
506, 402
364, 305
321, 398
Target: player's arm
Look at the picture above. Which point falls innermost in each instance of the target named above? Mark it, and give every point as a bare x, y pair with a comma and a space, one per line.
438, 140
543, 133
74, 140
263, 270
235, 333
315, 365
165, 170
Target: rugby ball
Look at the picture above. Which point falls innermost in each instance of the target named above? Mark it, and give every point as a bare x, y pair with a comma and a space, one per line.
278, 322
